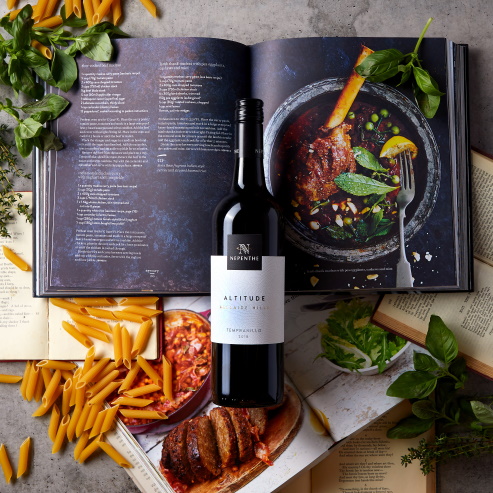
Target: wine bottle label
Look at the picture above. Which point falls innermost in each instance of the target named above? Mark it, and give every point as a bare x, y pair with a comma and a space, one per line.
247, 304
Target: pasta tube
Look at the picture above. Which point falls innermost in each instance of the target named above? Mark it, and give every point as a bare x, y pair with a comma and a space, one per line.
60, 434
129, 379
91, 322
130, 317
91, 418
54, 422
52, 387
91, 332
132, 401
81, 423
24, 451
101, 384
25, 379
142, 414
117, 344
167, 379
126, 348
50, 22
98, 423
89, 360
56, 365
142, 338
109, 419
95, 301
32, 382
150, 6
139, 300
81, 444
66, 395
68, 305
15, 259
151, 373
77, 335
116, 456
90, 449
10, 378
97, 368
145, 389
116, 12
102, 394
100, 313
5, 463
142, 310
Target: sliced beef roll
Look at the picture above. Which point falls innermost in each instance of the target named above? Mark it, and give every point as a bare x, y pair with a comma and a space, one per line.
225, 436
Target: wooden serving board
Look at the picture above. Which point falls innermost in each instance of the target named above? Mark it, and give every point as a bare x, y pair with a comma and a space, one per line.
282, 426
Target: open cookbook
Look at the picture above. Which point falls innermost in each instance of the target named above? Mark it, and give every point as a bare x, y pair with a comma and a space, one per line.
126, 206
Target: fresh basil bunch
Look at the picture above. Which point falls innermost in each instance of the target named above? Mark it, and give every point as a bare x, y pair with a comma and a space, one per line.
435, 388
386, 64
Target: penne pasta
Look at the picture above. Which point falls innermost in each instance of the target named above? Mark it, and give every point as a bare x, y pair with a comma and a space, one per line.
66, 395
68, 305
130, 317
91, 418
107, 370
139, 300
129, 379
98, 423
54, 422
67, 375
100, 313
52, 387
101, 384
89, 11
46, 374
150, 6
91, 374
142, 414
15, 259
81, 423
132, 401
32, 381
92, 332
95, 5
145, 389
167, 379
102, 394
24, 452
117, 344
44, 408
81, 444
116, 12
39, 10
91, 322
25, 379
44, 50
50, 8
10, 378
142, 338
89, 360
75, 382
90, 449
126, 348
142, 310
13, 14
95, 301
116, 456
5, 463
50, 22
40, 388
102, 11
73, 422
80, 393
77, 335
60, 434
77, 7
11, 4
109, 419
56, 365
69, 8
151, 373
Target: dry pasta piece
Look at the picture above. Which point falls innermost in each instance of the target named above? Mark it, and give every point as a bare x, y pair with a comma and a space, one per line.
126, 348
109, 419
95, 301
75, 382
142, 414
10, 378
151, 372
11, 4
25, 379
98, 423
60, 434
142, 338
117, 344
91, 374
46, 374
66, 395
100, 313
44, 408
15, 259
101, 384
54, 422
68, 305
69, 8
39, 10
90, 449
13, 14
142, 310
89, 10
91, 322
102, 11
167, 379
95, 5
5, 463
50, 22
129, 379
92, 332
40, 388
116, 456
32, 382
107, 370
24, 452
80, 393
73, 422
44, 50
91, 418
77, 6
76, 334
67, 375
56, 365
89, 360
132, 401
52, 387
50, 8
150, 6
116, 12
145, 389
102, 394
130, 317
81, 444
81, 423
139, 300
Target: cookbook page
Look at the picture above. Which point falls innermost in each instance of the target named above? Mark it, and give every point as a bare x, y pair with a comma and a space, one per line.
337, 180
24, 327
148, 154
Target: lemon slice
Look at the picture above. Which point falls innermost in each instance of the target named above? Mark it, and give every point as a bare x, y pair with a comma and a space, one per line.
358, 353
397, 144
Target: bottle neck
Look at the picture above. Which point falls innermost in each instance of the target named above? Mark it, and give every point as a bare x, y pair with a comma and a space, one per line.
249, 168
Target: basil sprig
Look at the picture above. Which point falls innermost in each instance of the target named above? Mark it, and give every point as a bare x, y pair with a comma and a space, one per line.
22, 67
386, 64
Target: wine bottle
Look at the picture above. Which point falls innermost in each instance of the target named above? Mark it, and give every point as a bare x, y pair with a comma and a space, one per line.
247, 278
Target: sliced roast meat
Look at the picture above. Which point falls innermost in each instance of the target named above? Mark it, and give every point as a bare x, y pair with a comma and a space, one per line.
243, 431
225, 436
176, 444
258, 418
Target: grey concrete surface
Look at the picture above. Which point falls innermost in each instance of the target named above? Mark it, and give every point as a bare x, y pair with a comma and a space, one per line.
465, 21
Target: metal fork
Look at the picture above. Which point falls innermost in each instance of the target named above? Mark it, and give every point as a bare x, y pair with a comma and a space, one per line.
404, 278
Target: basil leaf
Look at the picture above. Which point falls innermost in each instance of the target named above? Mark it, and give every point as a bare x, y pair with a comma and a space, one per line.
380, 65
427, 103
97, 47
361, 185
424, 362
410, 427
426, 83
425, 409
21, 28
482, 412
106, 27
48, 141
413, 385
29, 128
440, 340
51, 104
366, 159
22, 79
24, 146
63, 70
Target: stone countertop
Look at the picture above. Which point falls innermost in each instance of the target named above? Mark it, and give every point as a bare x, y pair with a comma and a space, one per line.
465, 21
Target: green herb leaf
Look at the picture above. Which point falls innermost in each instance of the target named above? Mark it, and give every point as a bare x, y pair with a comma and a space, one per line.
21, 28
427, 103
413, 385
425, 409
426, 82
63, 70
361, 185
97, 46
29, 128
410, 427
24, 146
51, 104
440, 340
47, 141
380, 65
366, 159
424, 362
483, 413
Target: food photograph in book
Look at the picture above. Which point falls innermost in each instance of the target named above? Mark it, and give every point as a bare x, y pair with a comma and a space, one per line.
363, 177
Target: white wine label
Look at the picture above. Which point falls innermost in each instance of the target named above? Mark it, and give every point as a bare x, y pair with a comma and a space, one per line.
247, 306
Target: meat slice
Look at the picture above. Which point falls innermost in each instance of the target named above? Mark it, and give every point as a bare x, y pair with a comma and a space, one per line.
225, 436
258, 418
202, 452
243, 432
317, 165
177, 459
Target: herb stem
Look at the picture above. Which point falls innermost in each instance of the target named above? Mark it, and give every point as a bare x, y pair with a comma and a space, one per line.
422, 35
